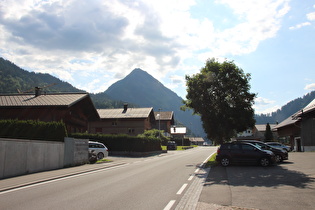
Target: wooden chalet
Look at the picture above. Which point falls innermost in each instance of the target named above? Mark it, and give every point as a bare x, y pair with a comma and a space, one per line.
257, 133
131, 121
74, 109
300, 128
196, 141
164, 121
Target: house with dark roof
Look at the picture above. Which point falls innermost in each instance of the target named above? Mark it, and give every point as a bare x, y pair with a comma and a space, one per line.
257, 132
131, 121
197, 141
74, 109
300, 128
164, 121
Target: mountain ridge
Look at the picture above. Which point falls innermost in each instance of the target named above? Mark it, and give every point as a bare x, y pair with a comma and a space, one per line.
13, 77
141, 88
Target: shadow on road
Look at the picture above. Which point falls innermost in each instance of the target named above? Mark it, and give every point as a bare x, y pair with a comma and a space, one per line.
254, 176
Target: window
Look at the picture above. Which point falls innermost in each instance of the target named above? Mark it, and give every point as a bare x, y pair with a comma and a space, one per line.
114, 123
131, 130
234, 146
247, 147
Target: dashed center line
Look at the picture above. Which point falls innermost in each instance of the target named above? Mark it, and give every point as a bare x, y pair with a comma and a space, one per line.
181, 189
169, 205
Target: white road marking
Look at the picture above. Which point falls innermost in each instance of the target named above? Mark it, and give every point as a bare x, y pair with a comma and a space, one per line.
181, 189
61, 178
191, 177
169, 205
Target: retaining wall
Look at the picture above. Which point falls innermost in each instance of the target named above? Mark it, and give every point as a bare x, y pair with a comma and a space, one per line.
18, 157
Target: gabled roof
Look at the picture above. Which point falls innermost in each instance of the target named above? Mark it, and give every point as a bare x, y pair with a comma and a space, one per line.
289, 121
122, 113
309, 108
196, 139
27, 100
262, 127
163, 115
296, 116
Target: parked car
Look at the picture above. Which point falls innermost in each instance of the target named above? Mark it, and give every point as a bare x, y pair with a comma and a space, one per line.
243, 152
171, 145
279, 153
99, 149
279, 145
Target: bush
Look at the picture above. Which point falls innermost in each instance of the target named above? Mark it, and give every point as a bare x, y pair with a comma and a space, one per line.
31, 129
155, 133
123, 142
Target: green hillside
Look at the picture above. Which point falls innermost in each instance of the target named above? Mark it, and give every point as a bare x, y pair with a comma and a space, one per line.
138, 89
141, 88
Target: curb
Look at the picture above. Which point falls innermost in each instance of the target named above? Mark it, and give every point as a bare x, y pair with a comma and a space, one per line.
75, 172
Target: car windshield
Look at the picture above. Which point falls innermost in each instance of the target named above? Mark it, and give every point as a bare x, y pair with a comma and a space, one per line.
259, 146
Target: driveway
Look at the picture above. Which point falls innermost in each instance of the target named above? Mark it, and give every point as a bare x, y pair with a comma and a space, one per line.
290, 185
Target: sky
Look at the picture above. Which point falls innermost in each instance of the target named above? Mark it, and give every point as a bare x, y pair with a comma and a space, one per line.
94, 43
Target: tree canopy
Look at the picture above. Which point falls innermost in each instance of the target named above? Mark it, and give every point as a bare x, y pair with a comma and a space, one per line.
268, 133
220, 95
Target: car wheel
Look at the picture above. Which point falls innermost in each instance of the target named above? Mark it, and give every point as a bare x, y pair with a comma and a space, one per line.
100, 156
278, 158
225, 161
264, 162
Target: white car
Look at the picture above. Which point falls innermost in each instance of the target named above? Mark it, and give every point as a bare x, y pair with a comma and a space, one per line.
100, 149
279, 145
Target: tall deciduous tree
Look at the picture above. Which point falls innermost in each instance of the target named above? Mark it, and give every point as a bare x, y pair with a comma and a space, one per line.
220, 95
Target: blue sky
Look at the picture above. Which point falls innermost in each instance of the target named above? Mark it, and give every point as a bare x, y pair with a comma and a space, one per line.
92, 44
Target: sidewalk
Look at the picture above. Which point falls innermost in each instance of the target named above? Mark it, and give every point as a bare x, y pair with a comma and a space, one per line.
289, 185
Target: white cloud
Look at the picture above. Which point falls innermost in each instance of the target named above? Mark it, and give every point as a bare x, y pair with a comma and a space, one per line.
299, 25
310, 86
267, 110
110, 38
311, 16
265, 106
263, 101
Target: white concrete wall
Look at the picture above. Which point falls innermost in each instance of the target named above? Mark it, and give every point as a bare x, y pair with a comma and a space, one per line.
18, 157
76, 151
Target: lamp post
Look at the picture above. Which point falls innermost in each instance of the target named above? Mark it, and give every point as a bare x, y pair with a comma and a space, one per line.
159, 122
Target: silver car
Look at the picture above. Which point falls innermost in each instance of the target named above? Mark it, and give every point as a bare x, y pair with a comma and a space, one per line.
279, 145
100, 149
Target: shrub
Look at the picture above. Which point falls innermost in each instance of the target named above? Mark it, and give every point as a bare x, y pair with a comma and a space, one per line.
123, 142
33, 130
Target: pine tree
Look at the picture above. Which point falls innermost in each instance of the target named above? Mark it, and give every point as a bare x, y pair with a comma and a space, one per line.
268, 133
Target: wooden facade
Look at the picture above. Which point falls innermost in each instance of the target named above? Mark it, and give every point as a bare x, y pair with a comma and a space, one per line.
300, 128
75, 110
307, 118
130, 121
164, 121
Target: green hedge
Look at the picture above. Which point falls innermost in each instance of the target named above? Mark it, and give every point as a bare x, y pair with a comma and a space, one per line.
31, 129
123, 142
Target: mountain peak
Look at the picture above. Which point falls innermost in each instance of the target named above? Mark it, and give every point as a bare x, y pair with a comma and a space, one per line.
138, 72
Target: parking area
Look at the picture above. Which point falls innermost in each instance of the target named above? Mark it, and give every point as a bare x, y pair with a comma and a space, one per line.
290, 185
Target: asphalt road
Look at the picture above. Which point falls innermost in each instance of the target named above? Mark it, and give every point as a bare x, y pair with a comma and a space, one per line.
158, 182
290, 185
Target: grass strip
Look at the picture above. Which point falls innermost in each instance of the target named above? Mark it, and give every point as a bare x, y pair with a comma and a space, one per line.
211, 162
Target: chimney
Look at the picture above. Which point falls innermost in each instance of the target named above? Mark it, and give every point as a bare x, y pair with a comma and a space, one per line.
125, 108
37, 91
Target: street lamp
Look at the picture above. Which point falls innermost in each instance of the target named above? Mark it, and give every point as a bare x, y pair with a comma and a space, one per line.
159, 122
